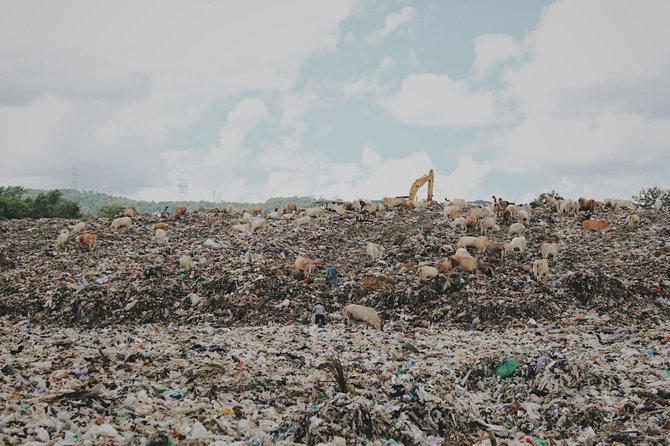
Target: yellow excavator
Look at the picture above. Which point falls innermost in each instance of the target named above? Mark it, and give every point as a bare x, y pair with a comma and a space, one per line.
427, 178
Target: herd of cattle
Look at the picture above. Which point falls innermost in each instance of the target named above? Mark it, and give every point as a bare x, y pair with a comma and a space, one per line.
473, 223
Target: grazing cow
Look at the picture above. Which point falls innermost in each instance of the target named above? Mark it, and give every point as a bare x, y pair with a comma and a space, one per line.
76, 229
121, 222
587, 204
465, 263
304, 264
87, 241
549, 249
353, 312
633, 221
594, 225
541, 269
62, 238
179, 212
496, 249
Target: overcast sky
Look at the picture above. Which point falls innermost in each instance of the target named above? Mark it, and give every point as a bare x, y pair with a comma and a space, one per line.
247, 100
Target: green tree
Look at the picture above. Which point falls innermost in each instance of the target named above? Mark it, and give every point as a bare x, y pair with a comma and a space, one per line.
50, 204
12, 203
66, 209
539, 201
11, 192
43, 204
110, 210
647, 197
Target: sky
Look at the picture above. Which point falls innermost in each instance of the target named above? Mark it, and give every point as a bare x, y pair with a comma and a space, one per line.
244, 101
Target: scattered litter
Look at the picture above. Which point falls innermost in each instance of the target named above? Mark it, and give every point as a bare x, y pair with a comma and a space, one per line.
123, 345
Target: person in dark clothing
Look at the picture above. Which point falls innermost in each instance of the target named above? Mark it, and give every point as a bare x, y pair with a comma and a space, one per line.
319, 314
331, 276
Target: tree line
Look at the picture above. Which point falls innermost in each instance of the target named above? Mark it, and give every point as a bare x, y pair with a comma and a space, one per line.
15, 204
19, 202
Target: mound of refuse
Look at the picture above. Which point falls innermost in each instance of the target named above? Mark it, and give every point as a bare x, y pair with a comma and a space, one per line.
133, 343
248, 279
295, 384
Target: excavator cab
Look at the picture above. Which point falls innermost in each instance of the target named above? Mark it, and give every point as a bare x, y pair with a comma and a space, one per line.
427, 178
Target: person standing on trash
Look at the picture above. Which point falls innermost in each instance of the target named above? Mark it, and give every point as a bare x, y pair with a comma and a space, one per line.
331, 276
319, 314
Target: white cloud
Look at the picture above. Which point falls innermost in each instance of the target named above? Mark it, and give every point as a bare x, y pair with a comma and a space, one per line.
369, 158
392, 22
295, 104
492, 50
412, 60
50, 136
244, 118
582, 53
375, 177
284, 155
83, 82
384, 65
380, 177
362, 87
438, 100
372, 177
56, 119
112, 50
367, 85
465, 181
214, 166
612, 151
610, 142
593, 92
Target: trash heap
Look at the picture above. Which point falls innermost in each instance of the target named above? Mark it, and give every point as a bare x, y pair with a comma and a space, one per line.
122, 345
242, 279
201, 385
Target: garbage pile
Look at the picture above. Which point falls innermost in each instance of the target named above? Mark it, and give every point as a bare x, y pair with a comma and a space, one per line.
248, 279
134, 343
201, 385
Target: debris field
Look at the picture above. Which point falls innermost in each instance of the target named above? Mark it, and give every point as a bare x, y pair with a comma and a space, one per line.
125, 344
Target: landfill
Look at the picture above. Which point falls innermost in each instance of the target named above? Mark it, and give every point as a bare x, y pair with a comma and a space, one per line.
129, 344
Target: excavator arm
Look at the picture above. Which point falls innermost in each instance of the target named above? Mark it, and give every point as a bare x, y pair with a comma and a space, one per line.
427, 178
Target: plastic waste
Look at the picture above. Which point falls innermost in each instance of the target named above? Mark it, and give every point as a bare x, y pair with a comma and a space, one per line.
507, 367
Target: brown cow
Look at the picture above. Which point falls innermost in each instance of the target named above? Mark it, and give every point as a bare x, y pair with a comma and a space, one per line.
482, 243
179, 212
499, 205
160, 226
471, 222
496, 249
87, 241
594, 225
587, 205
305, 264
465, 263
291, 208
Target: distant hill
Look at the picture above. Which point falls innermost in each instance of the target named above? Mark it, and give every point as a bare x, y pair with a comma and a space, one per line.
91, 202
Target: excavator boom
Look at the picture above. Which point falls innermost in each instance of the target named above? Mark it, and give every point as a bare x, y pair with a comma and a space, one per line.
427, 178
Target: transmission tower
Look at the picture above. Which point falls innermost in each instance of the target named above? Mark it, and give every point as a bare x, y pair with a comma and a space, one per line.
182, 187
